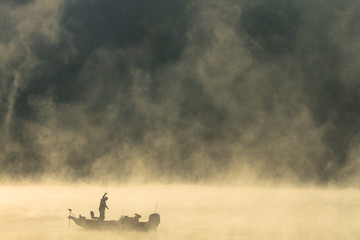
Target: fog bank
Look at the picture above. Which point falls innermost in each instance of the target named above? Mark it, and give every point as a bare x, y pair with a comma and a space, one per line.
194, 91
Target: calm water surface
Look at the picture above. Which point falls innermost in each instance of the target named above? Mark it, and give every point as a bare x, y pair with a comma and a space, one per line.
187, 212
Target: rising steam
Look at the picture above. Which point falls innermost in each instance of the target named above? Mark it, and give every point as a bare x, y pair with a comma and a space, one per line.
180, 90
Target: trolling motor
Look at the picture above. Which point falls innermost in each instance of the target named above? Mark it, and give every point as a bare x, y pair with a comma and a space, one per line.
69, 217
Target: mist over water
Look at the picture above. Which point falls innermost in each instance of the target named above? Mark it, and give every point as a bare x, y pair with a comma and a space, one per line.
190, 104
187, 211
187, 90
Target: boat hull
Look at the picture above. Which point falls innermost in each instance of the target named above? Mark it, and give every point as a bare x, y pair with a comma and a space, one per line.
124, 224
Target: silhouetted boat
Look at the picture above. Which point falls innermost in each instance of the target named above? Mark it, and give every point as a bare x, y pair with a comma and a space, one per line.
125, 223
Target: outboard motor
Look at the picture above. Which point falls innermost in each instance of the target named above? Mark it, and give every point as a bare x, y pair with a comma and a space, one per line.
154, 221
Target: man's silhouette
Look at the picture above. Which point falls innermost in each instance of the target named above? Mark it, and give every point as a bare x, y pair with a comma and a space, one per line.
103, 206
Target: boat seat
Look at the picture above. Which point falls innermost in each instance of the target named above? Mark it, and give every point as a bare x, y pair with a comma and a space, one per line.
93, 215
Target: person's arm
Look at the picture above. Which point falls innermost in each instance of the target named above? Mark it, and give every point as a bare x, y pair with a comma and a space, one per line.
104, 195
106, 206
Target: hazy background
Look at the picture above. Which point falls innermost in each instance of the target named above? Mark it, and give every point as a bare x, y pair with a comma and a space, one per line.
241, 119
194, 91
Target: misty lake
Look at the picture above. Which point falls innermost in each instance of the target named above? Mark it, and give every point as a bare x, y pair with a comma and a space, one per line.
187, 212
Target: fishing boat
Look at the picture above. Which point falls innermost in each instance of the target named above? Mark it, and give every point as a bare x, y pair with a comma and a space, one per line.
125, 223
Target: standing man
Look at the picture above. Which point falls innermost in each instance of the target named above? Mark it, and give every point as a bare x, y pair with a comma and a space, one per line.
103, 206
